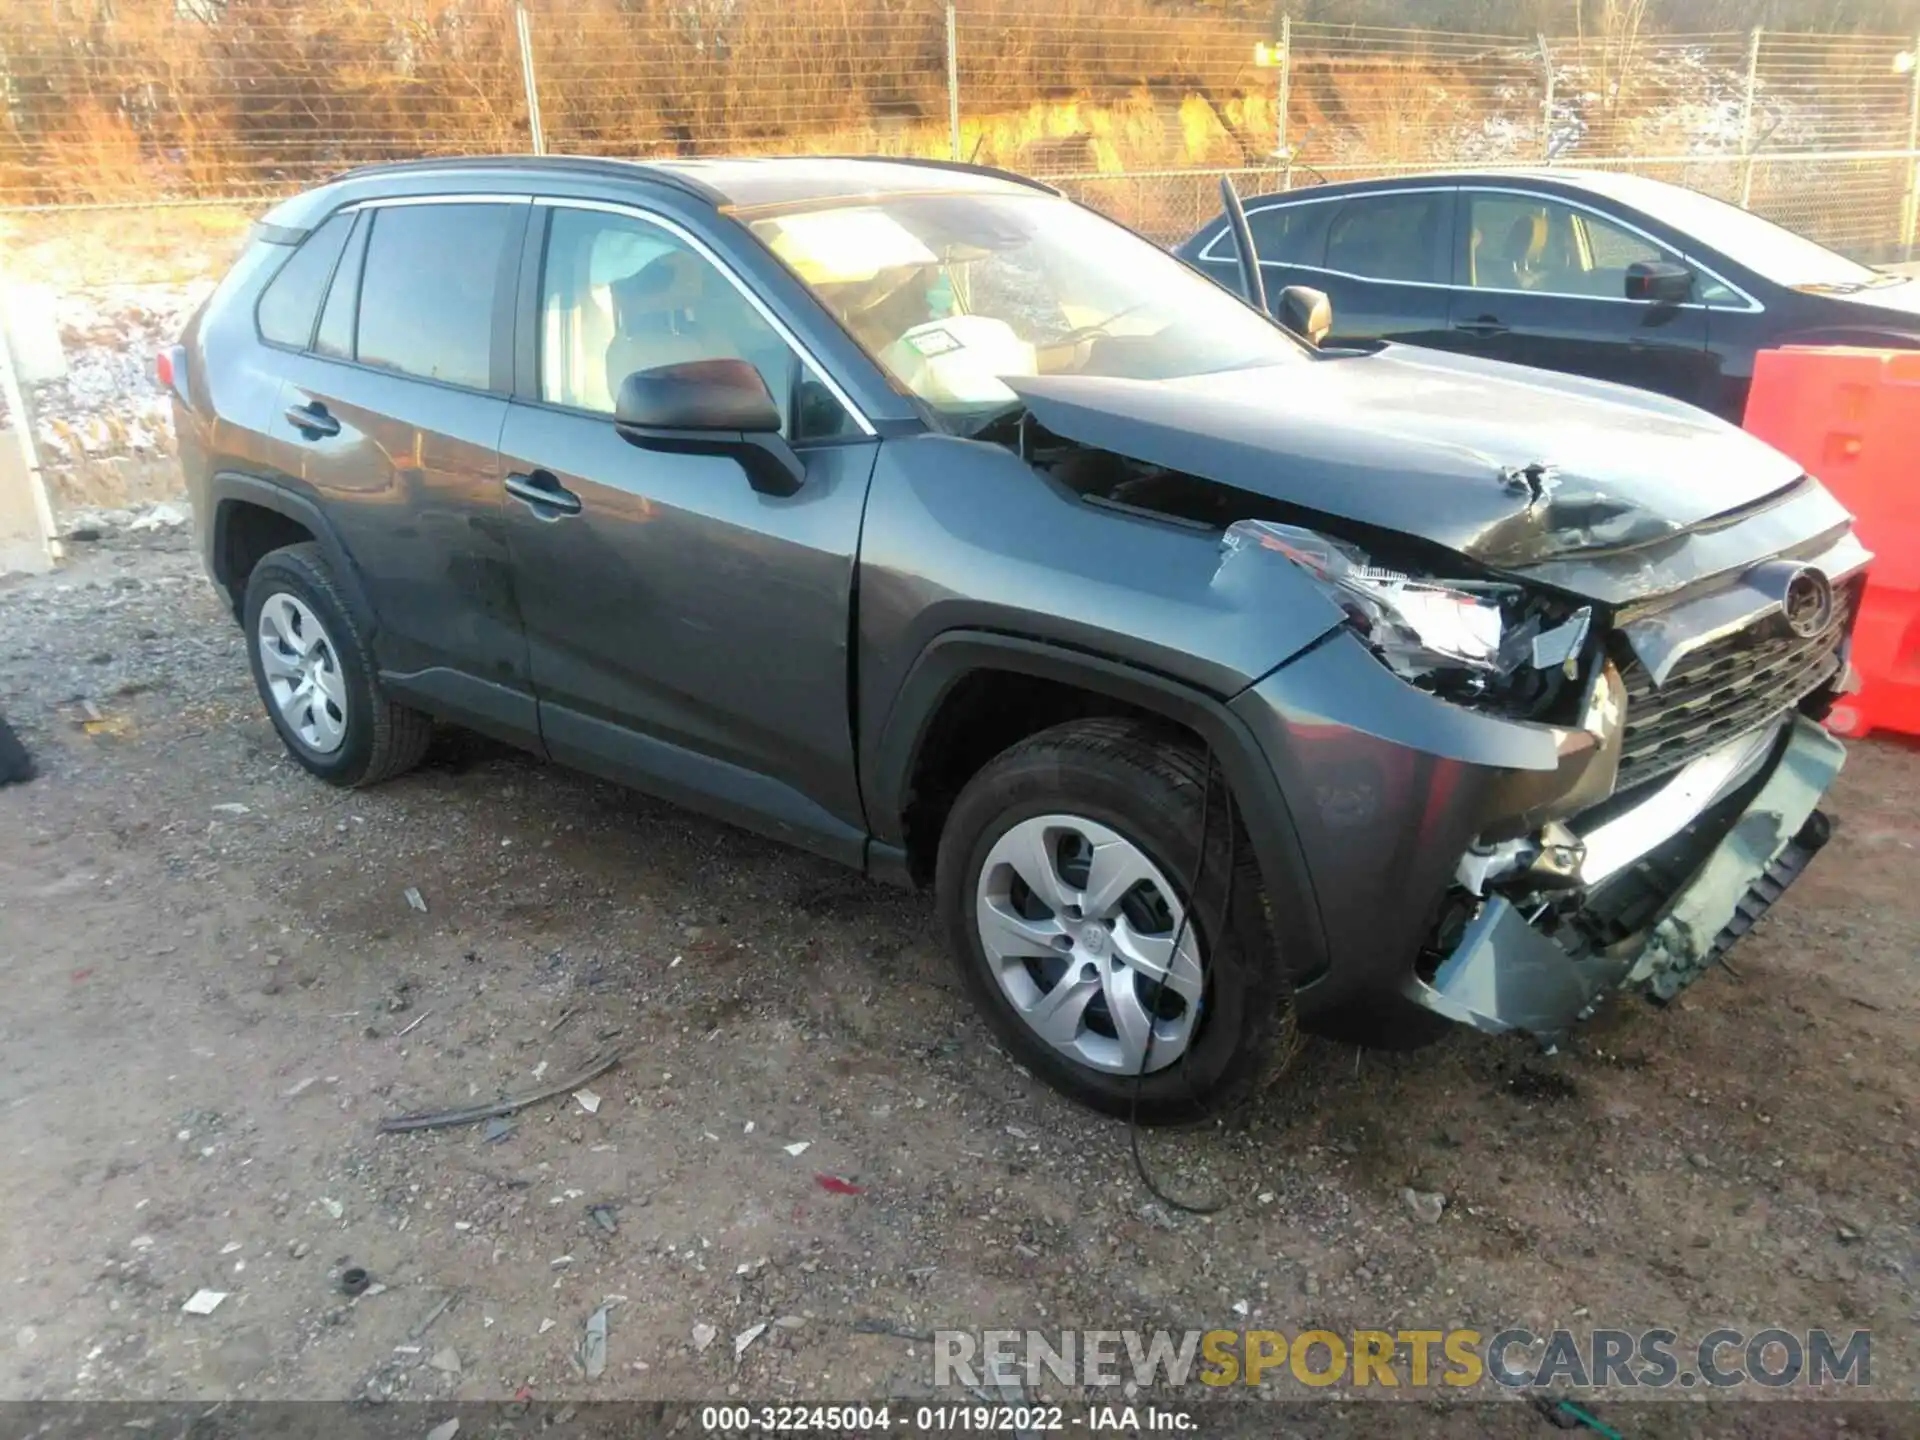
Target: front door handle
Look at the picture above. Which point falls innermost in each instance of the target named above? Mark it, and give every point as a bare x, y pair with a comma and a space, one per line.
312, 420
1483, 326
545, 493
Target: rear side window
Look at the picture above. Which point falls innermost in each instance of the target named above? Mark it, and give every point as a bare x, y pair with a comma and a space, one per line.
432, 277
292, 299
1285, 234
1389, 237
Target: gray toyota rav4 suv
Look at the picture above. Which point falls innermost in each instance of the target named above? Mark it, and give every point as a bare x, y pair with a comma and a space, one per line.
917, 516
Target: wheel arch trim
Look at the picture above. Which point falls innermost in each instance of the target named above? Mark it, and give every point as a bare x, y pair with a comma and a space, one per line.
230, 487
889, 763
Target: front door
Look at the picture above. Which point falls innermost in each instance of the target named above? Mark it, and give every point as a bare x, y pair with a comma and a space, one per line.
687, 634
1543, 283
1385, 269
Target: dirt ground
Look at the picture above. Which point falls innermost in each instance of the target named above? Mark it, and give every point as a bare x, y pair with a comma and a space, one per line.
217, 985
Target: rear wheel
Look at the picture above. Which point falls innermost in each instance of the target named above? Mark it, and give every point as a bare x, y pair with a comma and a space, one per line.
316, 676
1064, 882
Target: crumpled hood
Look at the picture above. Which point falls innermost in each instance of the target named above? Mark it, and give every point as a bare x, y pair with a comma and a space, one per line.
1506, 465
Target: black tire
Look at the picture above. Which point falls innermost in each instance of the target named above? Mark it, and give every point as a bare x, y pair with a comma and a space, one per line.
383, 737
1149, 785
16, 766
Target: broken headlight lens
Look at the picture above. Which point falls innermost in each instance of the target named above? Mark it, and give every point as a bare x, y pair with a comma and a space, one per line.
1416, 626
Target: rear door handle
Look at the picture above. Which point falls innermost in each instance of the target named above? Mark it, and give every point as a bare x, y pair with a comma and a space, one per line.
312, 420
545, 493
1484, 325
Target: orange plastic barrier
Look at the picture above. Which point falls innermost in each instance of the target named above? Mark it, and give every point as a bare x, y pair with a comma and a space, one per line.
1852, 419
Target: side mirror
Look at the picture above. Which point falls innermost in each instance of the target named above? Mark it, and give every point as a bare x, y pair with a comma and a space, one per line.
710, 407
1307, 312
1661, 282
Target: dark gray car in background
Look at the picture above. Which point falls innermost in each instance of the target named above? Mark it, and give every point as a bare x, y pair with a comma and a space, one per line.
914, 515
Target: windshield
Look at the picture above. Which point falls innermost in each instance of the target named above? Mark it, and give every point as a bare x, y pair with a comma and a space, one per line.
952, 294
1762, 246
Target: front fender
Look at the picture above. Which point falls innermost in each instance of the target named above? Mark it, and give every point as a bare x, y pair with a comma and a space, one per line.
961, 535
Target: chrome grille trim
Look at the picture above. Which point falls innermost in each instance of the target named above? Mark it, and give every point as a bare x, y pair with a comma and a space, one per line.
1726, 688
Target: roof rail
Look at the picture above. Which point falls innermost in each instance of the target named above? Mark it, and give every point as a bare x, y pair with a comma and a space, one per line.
567, 164
964, 167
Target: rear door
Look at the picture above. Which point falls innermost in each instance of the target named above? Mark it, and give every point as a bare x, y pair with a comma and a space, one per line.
1542, 282
390, 415
688, 635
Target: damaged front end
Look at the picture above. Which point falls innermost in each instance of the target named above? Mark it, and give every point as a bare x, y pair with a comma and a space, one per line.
1643, 784
1649, 897
1566, 739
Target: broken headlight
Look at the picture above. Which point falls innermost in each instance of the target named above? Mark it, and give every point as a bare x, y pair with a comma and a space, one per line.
1466, 639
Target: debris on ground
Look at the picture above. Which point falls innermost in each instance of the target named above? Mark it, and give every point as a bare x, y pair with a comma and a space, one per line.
472, 1114
603, 1216
332, 1207
412, 1025
445, 1430
446, 1361
1426, 1205
204, 1302
593, 1345
703, 1336
746, 1337
425, 1322
588, 1101
834, 1185
354, 1281
497, 1129
798, 1148
416, 899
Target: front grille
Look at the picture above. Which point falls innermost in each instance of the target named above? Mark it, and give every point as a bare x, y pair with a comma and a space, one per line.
1723, 690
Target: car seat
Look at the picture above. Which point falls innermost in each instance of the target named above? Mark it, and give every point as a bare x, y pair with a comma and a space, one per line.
1526, 244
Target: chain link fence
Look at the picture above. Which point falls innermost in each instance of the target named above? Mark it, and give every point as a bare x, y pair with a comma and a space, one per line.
1136, 106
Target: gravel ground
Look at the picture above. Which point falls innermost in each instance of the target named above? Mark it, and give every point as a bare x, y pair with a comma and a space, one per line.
219, 985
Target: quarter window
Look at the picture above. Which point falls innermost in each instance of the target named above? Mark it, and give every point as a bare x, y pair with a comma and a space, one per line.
432, 276
288, 305
1389, 237
621, 295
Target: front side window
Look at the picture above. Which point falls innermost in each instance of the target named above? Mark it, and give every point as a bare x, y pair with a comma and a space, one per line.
956, 294
1526, 242
431, 277
620, 295
292, 299
1389, 237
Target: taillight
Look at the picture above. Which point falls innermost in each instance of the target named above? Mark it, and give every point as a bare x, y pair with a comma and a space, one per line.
170, 369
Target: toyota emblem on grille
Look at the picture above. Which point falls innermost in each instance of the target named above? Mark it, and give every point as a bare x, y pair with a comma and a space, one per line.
1808, 603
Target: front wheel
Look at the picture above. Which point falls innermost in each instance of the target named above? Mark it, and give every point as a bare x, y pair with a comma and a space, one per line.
1064, 882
